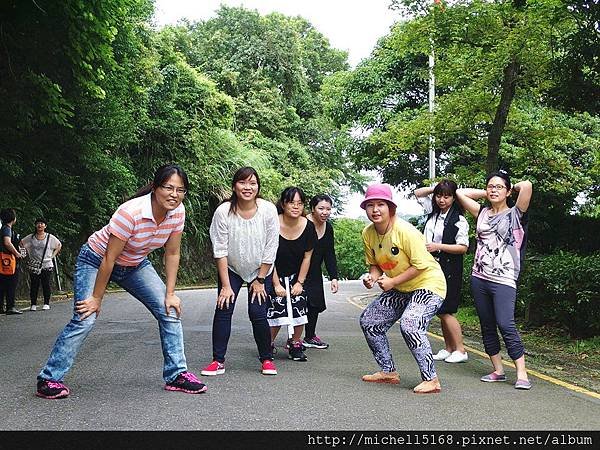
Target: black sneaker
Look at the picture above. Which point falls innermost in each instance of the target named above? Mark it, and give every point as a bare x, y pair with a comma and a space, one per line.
186, 382
297, 352
13, 311
51, 389
290, 341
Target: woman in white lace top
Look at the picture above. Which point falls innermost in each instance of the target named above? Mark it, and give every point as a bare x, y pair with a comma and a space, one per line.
245, 236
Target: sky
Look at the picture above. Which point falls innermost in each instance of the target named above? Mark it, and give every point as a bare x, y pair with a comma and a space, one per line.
351, 25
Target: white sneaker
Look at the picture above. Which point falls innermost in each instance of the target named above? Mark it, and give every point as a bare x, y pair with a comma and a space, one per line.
48, 307
457, 357
33, 308
441, 355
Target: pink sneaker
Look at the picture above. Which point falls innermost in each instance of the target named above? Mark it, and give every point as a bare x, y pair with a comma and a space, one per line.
51, 389
268, 367
186, 382
214, 368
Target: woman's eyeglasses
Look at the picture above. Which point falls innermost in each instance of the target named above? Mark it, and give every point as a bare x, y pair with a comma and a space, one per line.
170, 189
495, 187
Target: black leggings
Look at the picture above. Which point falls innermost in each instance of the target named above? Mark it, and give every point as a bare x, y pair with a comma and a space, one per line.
44, 277
311, 326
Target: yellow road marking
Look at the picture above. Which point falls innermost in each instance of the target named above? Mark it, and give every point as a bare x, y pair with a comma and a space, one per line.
535, 373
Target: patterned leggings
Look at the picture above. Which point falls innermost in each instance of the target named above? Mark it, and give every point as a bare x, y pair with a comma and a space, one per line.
414, 310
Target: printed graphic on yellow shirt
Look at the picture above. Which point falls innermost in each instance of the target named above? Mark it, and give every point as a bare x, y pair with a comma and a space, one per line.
388, 263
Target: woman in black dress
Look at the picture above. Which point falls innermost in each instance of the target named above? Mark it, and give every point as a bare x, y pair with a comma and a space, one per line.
320, 206
297, 239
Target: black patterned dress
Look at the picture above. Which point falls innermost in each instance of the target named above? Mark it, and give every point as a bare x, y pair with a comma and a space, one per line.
288, 261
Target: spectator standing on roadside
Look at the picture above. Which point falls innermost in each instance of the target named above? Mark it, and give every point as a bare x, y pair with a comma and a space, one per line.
41, 248
8, 281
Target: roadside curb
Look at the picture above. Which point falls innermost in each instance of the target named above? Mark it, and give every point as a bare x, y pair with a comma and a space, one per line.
59, 298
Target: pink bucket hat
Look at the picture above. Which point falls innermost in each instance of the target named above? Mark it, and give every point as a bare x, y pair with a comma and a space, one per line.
378, 192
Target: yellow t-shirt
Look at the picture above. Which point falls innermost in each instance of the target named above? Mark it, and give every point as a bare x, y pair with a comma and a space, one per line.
404, 246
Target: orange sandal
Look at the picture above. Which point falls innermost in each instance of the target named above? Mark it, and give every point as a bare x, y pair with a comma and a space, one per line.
382, 377
428, 387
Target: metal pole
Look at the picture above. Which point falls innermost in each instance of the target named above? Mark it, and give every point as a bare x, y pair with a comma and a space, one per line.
290, 314
431, 108
57, 275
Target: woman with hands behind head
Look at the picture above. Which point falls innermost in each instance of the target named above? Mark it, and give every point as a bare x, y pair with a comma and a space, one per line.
496, 267
413, 289
447, 237
153, 218
244, 233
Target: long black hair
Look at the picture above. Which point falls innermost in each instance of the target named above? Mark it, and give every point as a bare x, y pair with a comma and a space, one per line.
444, 187
162, 174
243, 173
288, 195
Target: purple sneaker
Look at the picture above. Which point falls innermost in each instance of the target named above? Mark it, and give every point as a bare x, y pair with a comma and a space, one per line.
493, 377
523, 384
51, 389
186, 382
315, 342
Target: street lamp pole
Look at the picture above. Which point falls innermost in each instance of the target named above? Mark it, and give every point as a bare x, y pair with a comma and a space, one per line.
431, 107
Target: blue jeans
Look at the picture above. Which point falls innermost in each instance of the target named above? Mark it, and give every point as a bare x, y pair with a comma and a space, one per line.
258, 316
143, 283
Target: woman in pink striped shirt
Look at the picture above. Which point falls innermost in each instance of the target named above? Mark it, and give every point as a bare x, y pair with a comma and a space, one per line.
153, 218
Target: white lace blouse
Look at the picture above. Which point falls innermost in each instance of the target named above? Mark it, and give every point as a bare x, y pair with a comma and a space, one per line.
247, 243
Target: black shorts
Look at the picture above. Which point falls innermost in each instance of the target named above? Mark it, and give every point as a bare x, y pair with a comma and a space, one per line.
453, 291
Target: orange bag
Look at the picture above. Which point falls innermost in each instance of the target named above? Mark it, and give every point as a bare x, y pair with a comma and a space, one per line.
8, 264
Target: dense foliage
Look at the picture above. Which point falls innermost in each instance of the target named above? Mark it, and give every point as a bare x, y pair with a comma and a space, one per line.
94, 99
349, 248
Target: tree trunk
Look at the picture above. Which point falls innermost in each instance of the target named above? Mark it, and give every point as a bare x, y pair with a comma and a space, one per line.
509, 83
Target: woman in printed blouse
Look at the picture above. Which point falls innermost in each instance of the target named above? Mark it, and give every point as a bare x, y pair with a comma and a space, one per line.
496, 266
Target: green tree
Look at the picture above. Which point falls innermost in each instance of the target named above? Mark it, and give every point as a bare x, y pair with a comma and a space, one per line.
349, 248
475, 42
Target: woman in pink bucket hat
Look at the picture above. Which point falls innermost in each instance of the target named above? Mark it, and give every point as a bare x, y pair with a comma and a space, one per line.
413, 286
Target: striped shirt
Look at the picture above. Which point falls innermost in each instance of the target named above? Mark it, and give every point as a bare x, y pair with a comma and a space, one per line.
134, 223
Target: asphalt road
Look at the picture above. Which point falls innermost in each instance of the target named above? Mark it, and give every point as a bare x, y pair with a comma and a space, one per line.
116, 381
